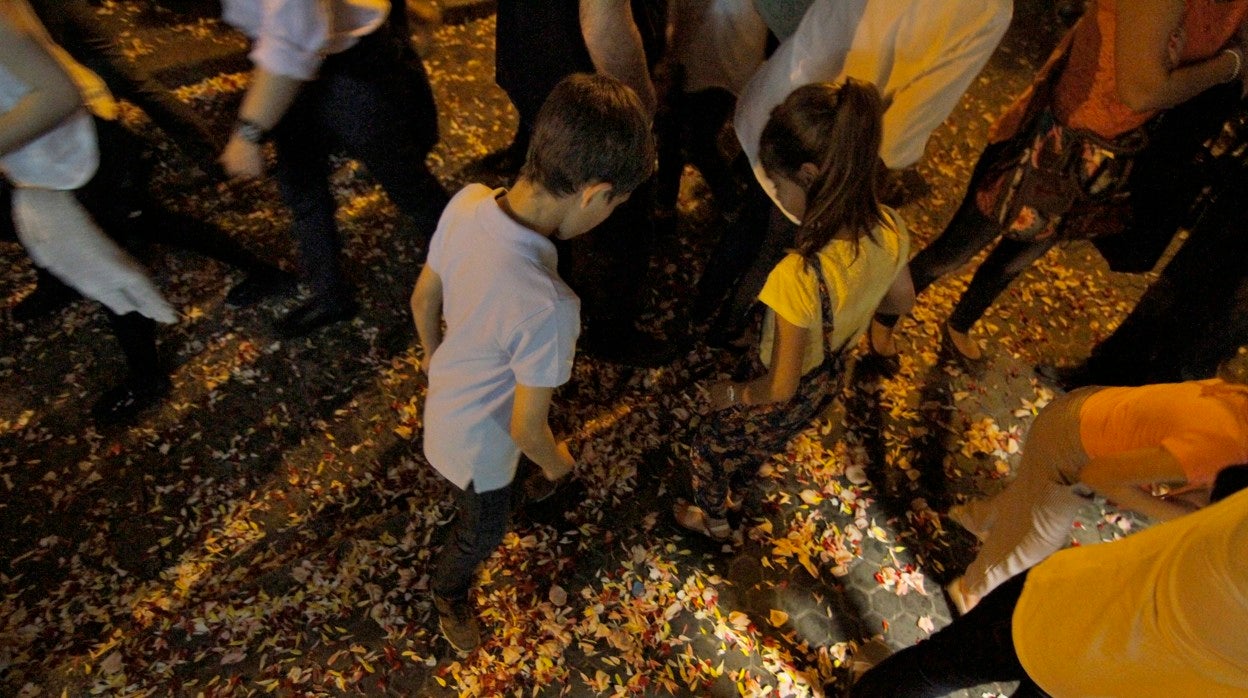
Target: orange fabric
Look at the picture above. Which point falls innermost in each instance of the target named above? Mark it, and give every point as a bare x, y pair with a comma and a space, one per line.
1086, 94
1203, 424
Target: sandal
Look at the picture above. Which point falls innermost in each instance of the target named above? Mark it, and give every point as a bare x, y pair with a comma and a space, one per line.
692, 517
970, 363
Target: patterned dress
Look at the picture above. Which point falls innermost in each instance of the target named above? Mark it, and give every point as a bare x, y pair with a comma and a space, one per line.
730, 444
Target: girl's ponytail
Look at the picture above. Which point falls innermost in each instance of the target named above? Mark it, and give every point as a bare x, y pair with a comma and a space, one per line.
838, 129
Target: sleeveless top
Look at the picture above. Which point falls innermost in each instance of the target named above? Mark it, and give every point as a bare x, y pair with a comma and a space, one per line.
1087, 91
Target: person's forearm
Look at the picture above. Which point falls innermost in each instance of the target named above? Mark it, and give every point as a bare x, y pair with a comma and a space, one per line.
268, 98
36, 113
761, 391
1137, 500
615, 46
541, 447
1183, 84
52, 98
428, 319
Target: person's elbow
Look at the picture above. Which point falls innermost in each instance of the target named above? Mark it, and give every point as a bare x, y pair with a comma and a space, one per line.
527, 436
1140, 95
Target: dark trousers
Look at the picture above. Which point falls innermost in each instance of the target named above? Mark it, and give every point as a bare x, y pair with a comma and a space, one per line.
119, 202
969, 232
975, 649
479, 526
689, 126
609, 266
1196, 313
374, 104
746, 253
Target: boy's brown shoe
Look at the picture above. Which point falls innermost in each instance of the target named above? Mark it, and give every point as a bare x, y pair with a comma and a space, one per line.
458, 624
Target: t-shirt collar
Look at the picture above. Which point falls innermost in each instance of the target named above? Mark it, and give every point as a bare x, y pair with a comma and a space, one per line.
526, 241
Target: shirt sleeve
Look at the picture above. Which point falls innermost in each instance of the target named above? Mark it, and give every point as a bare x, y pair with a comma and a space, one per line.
792, 293
543, 346
292, 38
922, 103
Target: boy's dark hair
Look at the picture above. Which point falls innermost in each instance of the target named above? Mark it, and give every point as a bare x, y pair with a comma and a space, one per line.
591, 129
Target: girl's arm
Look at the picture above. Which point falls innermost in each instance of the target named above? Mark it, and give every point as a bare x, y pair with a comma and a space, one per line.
780, 383
1119, 477
1146, 78
53, 96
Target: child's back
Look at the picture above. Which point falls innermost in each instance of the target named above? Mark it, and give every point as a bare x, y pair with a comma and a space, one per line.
511, 323
509, 319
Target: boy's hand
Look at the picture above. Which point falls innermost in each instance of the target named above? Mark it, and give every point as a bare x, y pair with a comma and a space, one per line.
566, 462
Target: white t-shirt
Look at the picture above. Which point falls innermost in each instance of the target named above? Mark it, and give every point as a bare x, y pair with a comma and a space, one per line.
921, 55
509, 319
858, 276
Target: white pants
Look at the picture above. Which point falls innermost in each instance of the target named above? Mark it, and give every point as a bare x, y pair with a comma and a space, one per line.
1031, 518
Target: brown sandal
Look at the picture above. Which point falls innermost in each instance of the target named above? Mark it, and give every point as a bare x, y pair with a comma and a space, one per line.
694, 518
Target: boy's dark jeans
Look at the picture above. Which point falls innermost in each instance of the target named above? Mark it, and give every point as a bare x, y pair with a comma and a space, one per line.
975, 649
479, 526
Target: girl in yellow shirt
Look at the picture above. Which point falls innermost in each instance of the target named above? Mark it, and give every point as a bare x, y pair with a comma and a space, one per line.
821, 148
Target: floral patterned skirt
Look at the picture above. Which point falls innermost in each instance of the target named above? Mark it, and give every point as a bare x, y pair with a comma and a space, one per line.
729, 445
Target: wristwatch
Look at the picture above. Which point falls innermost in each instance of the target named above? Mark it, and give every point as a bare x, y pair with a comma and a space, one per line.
250, 131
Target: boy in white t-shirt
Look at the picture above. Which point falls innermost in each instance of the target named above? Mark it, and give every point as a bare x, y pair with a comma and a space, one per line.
511, 322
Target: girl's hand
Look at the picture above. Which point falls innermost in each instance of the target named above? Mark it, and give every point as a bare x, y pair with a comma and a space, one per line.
724, 394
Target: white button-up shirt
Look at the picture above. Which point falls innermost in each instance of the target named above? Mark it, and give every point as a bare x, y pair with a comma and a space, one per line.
293, 37
921, 54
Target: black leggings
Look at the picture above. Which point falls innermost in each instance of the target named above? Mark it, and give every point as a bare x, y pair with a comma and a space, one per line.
969, 232
975, 649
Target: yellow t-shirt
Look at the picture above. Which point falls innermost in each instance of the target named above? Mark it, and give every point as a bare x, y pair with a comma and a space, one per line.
1203, 424
857, 281
1161, 613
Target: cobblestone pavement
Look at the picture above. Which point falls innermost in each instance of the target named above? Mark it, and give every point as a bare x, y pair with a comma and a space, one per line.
269, 529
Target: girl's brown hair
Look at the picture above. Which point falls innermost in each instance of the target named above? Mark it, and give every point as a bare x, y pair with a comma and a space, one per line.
837, 129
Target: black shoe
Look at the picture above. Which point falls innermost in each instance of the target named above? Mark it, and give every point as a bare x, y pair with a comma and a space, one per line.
121, 403
539, 488
316, 313
458, 624
259, 285
1066, 377
631, 349
48, 297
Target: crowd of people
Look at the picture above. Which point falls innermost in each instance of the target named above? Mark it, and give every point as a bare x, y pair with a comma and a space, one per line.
831, 102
